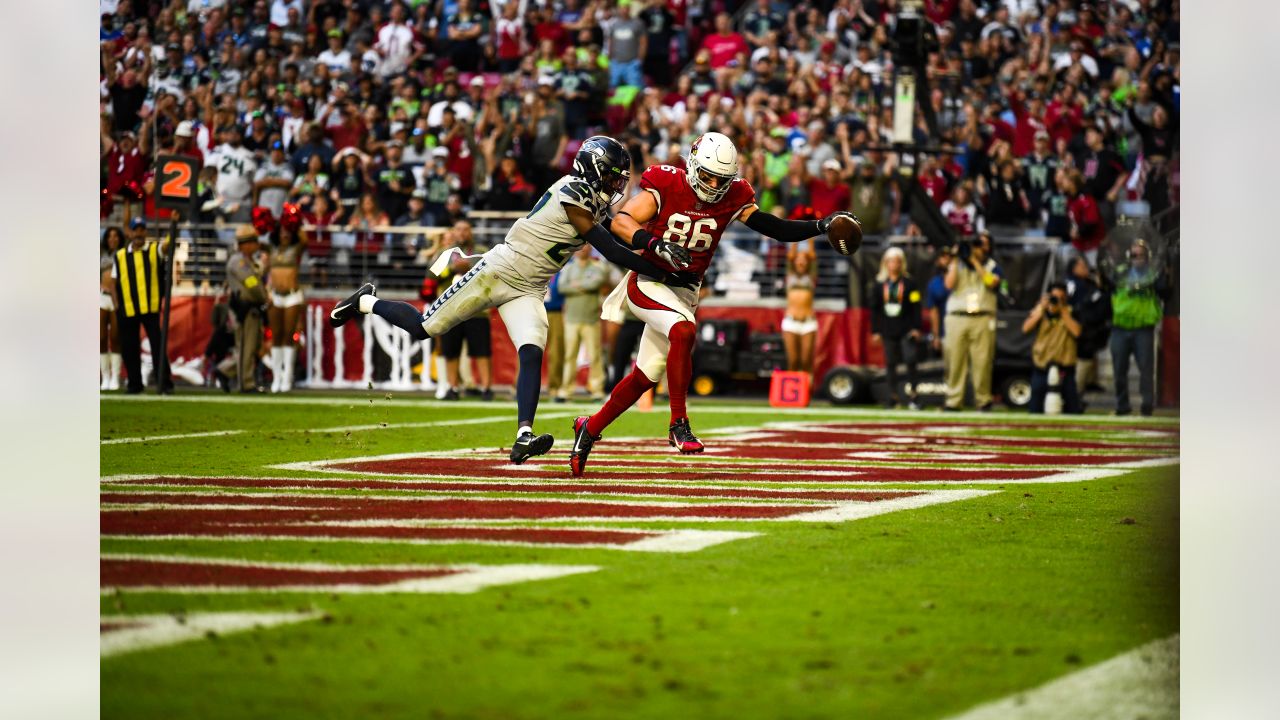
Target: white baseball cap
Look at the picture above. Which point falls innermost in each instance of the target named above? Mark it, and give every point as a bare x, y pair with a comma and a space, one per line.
185, 129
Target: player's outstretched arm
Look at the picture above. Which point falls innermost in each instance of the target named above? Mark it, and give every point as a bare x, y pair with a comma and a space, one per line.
788, 231
617, 253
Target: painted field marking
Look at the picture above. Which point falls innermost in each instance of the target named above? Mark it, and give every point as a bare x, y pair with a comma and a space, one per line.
710, 408
1141, 683
180, 436
190, 509
346, 579
127, 633
661, 541
338, 429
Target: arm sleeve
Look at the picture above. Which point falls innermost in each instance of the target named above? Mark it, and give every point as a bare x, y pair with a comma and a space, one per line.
616, 253
782, 230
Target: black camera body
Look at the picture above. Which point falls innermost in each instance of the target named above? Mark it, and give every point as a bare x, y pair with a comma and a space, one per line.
964, 249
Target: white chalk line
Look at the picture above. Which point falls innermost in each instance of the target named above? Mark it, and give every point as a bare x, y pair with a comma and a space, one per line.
337, 429
153, 631
1141, 683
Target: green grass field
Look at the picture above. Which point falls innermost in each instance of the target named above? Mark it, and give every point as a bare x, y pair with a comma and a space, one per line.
921, 612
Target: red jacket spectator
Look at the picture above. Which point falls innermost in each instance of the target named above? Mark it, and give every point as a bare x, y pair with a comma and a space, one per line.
1088, 231
349, 133
725, 45
1063, 120
935, 185
1024, 135
826, 197
125, 164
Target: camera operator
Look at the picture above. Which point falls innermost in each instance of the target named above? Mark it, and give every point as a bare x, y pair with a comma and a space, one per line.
1138, 286
973, 279
1056, 332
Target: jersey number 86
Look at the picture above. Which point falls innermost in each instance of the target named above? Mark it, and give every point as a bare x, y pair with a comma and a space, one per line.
682, 230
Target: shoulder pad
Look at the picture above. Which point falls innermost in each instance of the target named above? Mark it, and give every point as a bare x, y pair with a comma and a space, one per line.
577, 192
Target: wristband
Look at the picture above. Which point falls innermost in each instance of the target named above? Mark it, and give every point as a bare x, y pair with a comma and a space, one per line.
643, 239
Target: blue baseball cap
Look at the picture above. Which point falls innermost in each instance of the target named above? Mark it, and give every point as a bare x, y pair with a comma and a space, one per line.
137, 222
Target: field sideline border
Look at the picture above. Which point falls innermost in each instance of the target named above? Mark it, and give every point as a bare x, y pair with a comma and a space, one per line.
696, 407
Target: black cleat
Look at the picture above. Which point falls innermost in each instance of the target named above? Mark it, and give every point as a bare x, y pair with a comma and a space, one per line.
681, 437
528, 445
349, 308
582, 444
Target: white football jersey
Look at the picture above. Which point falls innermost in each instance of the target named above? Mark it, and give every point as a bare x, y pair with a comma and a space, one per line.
236, 169
540, 243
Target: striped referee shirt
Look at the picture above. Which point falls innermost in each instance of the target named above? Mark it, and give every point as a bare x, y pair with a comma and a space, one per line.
138, 274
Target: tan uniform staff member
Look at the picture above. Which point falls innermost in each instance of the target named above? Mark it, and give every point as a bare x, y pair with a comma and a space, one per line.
580, 282
248, 294
970, 343
139, 275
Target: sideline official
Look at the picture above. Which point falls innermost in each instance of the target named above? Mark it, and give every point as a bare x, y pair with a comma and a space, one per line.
139, 274
248, 296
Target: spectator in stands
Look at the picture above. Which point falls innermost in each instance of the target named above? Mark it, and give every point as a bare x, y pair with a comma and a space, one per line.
895, 302
580, 282
126, 168
574, 88
1005, 200
627, 44
1040, 167
350, 182
394, 181
109, 358
313, 181
961, 212
1054, 347
314, 145
829, 193
548, 135
873, 193
726, 48
660, 30
972, 280
273, 180
465, 29
1103, 173
793, 189
1087, 227
1092, 308
1137, 287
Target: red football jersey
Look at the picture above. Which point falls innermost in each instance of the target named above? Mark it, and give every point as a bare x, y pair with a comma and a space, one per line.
686, 220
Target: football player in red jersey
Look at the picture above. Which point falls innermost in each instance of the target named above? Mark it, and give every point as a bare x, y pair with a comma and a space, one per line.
679, 209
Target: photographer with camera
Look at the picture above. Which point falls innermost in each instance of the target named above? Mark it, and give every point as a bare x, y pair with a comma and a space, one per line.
1055, 345
973, 279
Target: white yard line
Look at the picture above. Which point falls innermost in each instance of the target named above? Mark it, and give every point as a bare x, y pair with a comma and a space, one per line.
151, 631
846, 511
182, 436
338, 429
1141, 683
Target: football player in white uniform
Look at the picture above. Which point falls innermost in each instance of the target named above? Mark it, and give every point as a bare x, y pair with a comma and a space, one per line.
514, 276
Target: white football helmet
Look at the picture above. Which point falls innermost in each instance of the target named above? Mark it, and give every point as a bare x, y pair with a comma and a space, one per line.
711, 167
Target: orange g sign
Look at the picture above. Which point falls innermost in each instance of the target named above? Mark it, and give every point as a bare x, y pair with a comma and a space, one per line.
176, 182
789, 389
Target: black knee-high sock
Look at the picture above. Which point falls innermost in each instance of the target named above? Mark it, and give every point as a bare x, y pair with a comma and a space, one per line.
402, 315
528, 383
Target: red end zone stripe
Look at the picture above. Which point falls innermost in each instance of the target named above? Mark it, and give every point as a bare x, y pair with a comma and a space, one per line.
602, 488
224, 523
139, 573
316, 509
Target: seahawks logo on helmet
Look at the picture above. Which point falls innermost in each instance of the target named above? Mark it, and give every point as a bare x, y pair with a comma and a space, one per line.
605, 165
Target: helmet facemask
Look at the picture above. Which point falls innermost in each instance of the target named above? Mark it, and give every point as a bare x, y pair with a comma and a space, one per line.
708, 186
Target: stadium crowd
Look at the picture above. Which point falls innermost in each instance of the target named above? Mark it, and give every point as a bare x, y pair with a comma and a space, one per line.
1054, 116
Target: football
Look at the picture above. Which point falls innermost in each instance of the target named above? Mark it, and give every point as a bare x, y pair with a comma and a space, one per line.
845, 235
